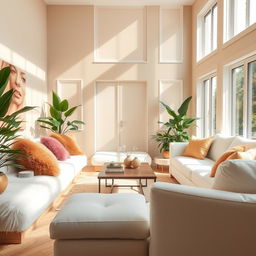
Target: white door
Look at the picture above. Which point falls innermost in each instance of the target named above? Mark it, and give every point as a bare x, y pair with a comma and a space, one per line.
121, 116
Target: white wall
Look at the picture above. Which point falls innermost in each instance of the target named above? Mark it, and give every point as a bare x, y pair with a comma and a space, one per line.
71, 56
23, 42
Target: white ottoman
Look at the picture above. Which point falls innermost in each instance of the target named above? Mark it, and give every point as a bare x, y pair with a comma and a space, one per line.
102, 225
101, 157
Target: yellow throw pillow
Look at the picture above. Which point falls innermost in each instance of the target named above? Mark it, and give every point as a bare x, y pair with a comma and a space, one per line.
68, 142
249, 155
198, 148
224, 157
37, 158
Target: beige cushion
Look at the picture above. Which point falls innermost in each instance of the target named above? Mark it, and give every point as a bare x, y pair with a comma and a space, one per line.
242, 141
219, 145
188, 165
236, 176
102, 216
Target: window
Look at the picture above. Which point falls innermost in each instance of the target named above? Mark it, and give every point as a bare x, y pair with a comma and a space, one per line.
207, 106
239, 14
207, 28
243, 99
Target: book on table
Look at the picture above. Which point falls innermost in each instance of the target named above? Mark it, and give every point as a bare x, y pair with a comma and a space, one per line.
114, 167
114, 170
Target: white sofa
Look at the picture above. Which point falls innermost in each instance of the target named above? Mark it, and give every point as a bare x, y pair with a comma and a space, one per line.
192, 221
196, 172
25, 199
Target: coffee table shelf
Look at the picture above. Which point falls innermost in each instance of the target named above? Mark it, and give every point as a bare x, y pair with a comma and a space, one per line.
143, 173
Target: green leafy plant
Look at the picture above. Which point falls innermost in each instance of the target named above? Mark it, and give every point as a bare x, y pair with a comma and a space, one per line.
175, 130
60, 112
9, 124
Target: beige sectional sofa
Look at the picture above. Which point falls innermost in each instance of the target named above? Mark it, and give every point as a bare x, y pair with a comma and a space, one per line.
196, 172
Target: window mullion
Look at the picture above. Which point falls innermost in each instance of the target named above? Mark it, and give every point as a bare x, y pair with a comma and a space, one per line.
211, 13
245, 114
247, 13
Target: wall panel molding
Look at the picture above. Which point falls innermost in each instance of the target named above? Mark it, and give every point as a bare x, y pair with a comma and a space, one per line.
123, 39
170, 35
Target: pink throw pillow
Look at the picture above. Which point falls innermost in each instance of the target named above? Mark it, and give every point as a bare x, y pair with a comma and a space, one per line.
56, 147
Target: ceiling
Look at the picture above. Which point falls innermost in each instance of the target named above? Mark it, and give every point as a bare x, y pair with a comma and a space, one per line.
121, 2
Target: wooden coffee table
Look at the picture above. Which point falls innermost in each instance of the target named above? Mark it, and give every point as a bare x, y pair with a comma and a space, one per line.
144, 172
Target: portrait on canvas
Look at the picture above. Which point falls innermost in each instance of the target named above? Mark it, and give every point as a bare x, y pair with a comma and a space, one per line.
17, 82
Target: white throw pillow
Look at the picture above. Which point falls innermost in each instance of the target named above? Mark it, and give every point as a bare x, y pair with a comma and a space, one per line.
237, 175
219, 145
242, 141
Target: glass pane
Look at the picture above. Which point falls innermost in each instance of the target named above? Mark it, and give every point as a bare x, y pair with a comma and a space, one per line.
238, 93
252, 11
207, 33
214, 27
239, 16
213, 97
252, 100
206, 116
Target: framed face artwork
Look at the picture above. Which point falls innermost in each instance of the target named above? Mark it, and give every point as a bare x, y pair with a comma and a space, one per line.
17, 82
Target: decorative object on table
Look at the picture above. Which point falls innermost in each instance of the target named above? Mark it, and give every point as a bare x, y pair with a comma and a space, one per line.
3, 182
26, 174
10, 124
114, 165
175, 130
115, 170
135, 163
59, 114
128, 161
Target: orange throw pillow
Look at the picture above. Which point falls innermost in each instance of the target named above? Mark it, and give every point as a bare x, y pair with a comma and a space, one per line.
198, 148
225, 156
68, 142
37, 158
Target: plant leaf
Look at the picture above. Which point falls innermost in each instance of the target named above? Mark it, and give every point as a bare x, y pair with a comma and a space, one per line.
63, 106
56, 100
4, 78
55, 113
5, 101
169, 110
184, 107
70, 111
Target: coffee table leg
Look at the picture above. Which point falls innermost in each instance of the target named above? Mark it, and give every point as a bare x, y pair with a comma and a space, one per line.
99, 184
141, 189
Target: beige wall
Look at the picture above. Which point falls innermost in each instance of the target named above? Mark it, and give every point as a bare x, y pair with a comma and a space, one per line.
23, 43
236, 48
70, 55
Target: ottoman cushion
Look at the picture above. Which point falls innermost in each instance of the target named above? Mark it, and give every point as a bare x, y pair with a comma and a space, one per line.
102, 216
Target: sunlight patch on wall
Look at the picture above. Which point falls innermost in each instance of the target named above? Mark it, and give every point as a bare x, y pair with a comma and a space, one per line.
14, 58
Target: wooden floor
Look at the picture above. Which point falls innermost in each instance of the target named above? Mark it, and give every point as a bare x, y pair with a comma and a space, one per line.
37, 242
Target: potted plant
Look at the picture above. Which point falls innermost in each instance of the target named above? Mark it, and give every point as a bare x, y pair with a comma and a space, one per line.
9, 127
175, 130
59, 113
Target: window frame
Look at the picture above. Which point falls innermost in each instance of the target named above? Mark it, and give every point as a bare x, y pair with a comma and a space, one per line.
208, 9
246, 119
202, 123
229, 18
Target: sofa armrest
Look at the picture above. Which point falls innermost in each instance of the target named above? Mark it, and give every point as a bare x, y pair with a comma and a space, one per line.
197, 221
177, 148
